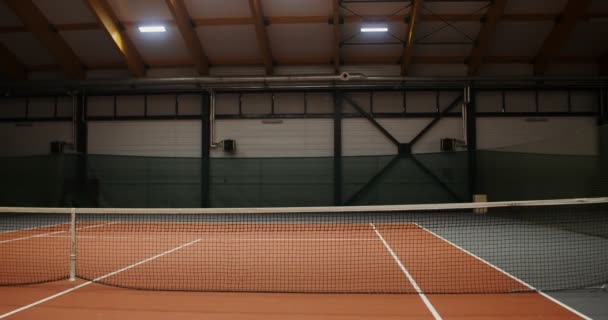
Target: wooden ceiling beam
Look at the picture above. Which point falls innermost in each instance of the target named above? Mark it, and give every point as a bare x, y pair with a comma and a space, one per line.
10, 65
262, 36
560, 34
336, 56
408, 51
35, 22
187, 29
108, 19
486, 35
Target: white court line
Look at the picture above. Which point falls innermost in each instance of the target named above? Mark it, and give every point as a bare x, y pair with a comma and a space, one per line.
31, 237
507, 274
219, 239
97, 226
32, 228
408, 275
97, 279
45, 235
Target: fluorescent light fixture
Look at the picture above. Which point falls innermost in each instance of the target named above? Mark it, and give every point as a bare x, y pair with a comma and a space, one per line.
374, 29
152, 29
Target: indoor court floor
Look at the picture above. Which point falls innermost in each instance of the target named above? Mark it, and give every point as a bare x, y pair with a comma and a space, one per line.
62, 301
130, 264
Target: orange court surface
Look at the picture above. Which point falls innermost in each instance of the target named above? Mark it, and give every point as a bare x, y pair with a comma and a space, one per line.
401, 253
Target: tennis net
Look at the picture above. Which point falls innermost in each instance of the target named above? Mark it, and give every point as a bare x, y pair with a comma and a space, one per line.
495, 247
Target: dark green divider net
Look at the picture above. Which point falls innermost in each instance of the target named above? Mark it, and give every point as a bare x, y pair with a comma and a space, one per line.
551, 245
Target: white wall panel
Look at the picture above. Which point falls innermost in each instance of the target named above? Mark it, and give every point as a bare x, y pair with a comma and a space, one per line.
189, 104
421, 101
584, 101
553, 101
360, 137
289, 138
256, 103
227, 103
489, 101
446, 128
38, 107
19, 139
520, 101
130, 105
285, 103
362, 99
388, 102
145, 138
100, 106
320, 102
161, 105
12, 108
447, 97
41, 107
64, 107
542, 135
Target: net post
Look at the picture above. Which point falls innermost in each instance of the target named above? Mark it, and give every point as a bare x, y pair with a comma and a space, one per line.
480, 198
73, 244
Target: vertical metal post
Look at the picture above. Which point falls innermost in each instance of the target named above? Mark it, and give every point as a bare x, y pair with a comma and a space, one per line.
337, 148
602, 107
73, 244
115, 107
240, 104
438, 101
471, 119
145, 106
81, 145
80, 123
55, 103
272, 97
75, 119
205, 178
404, 101
471, 139
27, 107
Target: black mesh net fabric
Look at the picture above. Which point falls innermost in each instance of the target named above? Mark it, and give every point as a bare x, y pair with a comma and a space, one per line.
34, 247
504, 250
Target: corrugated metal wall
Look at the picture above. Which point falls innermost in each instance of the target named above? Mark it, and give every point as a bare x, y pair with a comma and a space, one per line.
311, 137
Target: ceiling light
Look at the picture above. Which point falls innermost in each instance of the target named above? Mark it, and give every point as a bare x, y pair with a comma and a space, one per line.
374, 29
152, 29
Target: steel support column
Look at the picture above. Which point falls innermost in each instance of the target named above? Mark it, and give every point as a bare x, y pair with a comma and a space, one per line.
603, 107
435, 120
402, 148
337, 116
470, 110
205, 149
80, 137
81, 124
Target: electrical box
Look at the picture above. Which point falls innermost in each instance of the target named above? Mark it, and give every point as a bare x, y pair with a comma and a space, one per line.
449, 144
57, 147
229, 146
